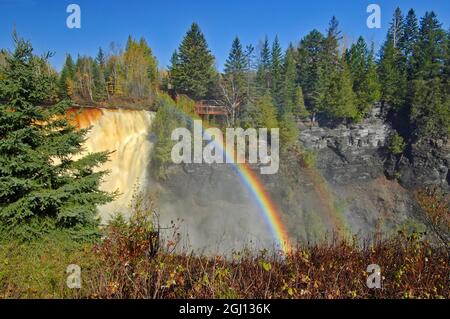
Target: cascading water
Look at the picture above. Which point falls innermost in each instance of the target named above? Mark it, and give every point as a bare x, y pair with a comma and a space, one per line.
126, 133
215, 209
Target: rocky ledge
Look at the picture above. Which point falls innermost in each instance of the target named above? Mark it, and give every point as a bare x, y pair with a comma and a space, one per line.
348, 153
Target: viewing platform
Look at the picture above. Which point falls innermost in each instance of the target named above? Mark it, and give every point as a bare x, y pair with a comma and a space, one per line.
209, 107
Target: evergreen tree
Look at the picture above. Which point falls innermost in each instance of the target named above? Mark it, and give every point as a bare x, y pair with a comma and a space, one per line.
267, 117
100, 90
329, 62
370, 88
290, 79
331, 45
234, 81
101, 58
236, 62
194, 73
43, 188
263, 75
277, 74
430, 113
410, 34
289, 132
299, 109
365, 79
250, 75
66, 80
447, 65
392, 75
396, 29
311, 70
340, 99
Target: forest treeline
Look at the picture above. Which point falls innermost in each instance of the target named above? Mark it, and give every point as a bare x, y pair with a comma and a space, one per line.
318, 78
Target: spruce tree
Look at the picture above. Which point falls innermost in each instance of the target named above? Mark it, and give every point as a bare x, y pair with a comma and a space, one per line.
311, 72
101, 58
370, 88
289, 132
299, 109
277, 74
396, 29
392, 75
236, 67
264, 74
340, 100
430, 113
236, 62
267, 117
362, 65
410, 34
193, 73
67, 78
233, 84
43, 187
289, 81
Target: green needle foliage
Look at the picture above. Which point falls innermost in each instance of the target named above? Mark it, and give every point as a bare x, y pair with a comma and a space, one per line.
192, 69
45, 184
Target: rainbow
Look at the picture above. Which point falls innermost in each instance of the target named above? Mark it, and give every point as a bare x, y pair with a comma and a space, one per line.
250, 180
267, 207
269, 211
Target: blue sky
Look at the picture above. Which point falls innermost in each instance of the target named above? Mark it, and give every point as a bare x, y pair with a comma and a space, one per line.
164, 23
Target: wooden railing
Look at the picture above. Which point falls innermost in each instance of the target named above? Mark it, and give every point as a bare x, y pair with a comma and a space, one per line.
209, 107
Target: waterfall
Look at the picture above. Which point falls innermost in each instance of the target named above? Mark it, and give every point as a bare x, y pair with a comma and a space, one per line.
126, 133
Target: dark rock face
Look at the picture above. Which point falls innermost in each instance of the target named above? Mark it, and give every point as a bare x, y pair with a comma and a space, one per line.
427, 164
348, 153
349, 190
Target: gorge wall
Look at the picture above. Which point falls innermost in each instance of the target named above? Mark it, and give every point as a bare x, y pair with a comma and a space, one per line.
345, 192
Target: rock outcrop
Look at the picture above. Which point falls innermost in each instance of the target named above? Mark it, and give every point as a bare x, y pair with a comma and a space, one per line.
348, 153
427, 164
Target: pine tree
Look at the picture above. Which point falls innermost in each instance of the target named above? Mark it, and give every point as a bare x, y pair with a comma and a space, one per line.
194, 73
277, 74
43, 188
